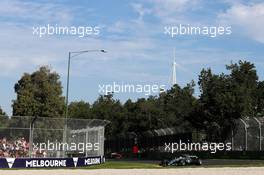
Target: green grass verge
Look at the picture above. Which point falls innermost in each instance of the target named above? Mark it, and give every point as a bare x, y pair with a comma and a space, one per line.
143, 165
124, 165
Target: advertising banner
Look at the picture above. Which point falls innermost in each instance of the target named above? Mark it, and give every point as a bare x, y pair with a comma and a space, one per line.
49, 162
3, 163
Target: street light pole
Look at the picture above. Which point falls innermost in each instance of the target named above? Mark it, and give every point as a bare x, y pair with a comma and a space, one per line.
71, 55
68, 81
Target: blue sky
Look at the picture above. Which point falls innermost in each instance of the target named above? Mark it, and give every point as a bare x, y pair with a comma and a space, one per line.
133, 34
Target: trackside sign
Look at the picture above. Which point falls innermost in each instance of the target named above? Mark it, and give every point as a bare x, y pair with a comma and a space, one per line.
49, 162
3, 163
89, 161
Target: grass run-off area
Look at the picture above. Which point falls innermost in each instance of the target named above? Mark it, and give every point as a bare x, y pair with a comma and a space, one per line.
154, 165
125, 165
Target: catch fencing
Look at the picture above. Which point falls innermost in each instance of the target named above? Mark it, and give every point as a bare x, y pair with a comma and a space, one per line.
22, 136
248, 135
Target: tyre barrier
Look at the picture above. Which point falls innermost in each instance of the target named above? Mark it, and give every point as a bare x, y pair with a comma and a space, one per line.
50, 162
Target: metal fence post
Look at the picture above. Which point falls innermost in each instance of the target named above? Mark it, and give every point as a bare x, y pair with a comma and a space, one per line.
232, 139
86, 140
246, 139
31, 128
64, 136
260, 134
30, 141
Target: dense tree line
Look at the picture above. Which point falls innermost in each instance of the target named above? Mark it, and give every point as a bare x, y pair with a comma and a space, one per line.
2, 112
223, 99
3, 117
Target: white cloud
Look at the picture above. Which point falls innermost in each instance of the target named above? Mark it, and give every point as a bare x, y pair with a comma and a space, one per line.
173, 10
247, 19
141, 10
117, 27
34, 12
22, 51
169, 6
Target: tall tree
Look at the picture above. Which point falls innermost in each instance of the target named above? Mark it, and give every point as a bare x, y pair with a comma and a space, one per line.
3, 118
245, 82
217, 110
2, 112
225, 98
178, 106
79, 109
39, 94
139, 115
259, 97
107, 108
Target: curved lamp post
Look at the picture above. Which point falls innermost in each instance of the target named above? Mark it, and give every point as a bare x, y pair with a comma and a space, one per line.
71, 55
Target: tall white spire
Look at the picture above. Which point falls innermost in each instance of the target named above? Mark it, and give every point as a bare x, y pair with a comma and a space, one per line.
174, 80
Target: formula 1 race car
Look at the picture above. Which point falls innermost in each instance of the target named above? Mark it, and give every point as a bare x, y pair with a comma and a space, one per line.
182, 161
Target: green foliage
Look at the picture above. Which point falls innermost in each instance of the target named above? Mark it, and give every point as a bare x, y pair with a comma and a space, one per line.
245, 81
79, 109
39, 94
3, 118
259, 99
225, 98
171, 109
106, 108
142, 114
2, 112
